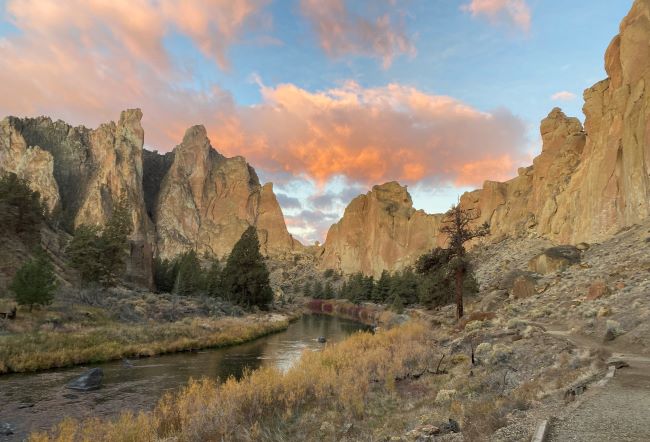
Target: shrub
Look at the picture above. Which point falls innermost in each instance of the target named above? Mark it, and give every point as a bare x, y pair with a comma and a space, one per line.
35, 282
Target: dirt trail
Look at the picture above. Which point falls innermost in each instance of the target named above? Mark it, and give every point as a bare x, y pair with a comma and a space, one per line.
616, 411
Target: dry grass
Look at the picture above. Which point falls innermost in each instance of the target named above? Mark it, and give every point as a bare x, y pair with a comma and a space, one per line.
339, 378
45, 349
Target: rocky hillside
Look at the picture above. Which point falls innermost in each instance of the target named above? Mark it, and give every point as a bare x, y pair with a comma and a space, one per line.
587, 183
190, 198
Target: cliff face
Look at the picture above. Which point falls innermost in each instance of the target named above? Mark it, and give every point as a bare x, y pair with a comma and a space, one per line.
380, 230
206, 201
585, 185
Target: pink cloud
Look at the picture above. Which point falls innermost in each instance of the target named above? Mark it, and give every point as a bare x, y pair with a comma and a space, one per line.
516, 12
563, 96
342, 32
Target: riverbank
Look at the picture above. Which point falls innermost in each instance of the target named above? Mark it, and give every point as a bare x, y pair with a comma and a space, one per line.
44, 349
372, 315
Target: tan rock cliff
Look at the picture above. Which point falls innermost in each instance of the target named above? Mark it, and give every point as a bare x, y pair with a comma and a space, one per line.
206, 201
380, 230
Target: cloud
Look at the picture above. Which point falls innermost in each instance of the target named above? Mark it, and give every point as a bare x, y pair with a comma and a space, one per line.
341, 32
516, 12
563, 96
311, 225
136, 27
373, 135
288, 202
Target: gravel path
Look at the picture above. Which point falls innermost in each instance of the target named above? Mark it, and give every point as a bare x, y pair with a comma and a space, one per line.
617, 411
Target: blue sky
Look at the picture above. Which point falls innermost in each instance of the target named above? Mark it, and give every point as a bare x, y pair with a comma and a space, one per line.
325, 98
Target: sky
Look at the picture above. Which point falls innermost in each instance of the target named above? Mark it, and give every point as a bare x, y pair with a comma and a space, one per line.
325, 98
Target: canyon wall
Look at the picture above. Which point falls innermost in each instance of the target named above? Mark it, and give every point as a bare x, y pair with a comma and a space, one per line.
586, 184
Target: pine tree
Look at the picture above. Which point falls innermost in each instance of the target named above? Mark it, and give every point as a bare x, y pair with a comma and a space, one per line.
190, 276
328, 291
381, 290
457, 225
307, 289
318, 290
245, 278
165, 273
213, 280
21, 211
35, 282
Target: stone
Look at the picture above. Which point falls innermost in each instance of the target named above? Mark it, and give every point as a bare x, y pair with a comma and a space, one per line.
523, 287
603, 312
6, 429
597, 290
583, 246
91, 380
554, 259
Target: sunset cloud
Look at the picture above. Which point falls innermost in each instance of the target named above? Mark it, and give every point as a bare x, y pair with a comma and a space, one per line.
340, 31
372, 135
563, 96
516, 12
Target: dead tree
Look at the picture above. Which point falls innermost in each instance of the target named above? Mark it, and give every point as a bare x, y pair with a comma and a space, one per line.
458, 226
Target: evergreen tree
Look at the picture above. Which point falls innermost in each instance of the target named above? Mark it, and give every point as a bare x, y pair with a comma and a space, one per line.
21, 211
381, 290
190, 276
245, 277
457, 225
35, 282
165, 273
307, 290
213, 280
99, 255
318, 290
328, 291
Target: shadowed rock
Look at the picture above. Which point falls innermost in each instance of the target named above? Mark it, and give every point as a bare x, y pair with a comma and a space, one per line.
91, 380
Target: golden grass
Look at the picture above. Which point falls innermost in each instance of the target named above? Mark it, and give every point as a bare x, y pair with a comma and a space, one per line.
40, 350
340, 377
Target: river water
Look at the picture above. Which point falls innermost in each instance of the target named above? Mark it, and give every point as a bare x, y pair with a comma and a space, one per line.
30, 402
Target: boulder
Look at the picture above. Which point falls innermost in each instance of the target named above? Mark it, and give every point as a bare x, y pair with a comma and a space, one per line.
493, 300
554, 259
597, 290
523, 287
91, 380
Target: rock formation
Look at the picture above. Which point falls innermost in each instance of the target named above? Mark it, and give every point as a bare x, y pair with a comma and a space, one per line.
205, 202
586, 184
380, 230
81, 172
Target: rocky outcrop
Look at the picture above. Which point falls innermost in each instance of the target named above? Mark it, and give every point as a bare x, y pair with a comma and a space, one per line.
587, 184
206, 201
380, 231
81, 173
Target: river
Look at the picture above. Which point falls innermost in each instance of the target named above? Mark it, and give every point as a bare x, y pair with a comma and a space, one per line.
37, 401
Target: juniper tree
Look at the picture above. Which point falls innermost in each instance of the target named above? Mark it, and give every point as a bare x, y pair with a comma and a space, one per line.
458, 226
245, 278
189, 280
35, 282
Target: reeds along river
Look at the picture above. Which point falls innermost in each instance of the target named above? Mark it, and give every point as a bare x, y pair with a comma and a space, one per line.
30, 402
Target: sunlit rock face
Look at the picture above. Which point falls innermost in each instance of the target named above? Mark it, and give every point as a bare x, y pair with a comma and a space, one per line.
380, 230
81, 173
206, 201
586, 184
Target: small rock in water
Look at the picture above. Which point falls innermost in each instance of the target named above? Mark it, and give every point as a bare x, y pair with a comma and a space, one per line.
6, 429
91, 380
126, 363
322, 339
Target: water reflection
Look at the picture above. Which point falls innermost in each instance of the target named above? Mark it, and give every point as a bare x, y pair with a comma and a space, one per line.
37, 401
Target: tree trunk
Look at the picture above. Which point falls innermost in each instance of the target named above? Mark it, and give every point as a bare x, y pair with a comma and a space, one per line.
459, 293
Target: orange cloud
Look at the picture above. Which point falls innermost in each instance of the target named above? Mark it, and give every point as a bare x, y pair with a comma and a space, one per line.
515, 11
85, 60
564, 96
372, 135
342, 32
